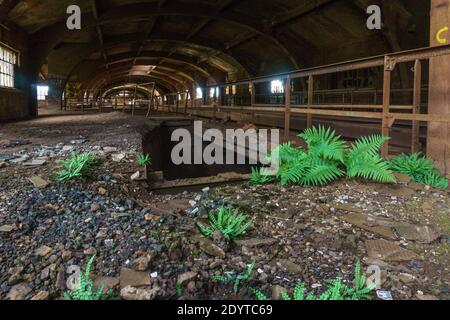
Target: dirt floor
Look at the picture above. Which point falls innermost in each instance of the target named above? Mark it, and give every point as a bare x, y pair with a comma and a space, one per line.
150, 242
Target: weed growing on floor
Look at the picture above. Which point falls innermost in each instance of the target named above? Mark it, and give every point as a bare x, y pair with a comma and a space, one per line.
420, 168
336, 290
227, 222
86, 290
237, 280
179, 289
327, 158
259, 179
144, 160
77, 166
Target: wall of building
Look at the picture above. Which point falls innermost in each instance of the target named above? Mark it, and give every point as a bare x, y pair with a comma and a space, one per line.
15, 103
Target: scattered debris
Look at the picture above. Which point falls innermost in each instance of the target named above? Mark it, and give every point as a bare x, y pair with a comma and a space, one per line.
389, 251
424, 234
38, 182
384, 295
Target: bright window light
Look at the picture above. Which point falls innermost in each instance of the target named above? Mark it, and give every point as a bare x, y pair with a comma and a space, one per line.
199, 93
42, 92
8, 59
276, 86
214, 92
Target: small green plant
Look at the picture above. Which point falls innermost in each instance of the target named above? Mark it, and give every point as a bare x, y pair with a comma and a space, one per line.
258, 178
179, 289
336, 290
327, 158
76, 167
144, 160
236, 279
420, 168
229, 223
363, 160
86, 290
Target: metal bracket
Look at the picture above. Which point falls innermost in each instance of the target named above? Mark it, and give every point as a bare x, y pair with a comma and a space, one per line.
389, 63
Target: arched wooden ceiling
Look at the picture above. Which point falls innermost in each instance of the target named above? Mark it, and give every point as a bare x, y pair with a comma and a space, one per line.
195, 42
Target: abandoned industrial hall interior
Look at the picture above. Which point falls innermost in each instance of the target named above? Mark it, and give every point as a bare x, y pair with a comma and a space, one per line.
256, 150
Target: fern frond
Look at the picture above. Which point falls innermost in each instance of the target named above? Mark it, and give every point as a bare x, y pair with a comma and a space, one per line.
324, 143
371, 168
321, 172
366, 146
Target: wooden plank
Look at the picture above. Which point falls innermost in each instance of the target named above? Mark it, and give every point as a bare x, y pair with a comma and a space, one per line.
310, 100
415, 144
438, 138
287, 109
385, 127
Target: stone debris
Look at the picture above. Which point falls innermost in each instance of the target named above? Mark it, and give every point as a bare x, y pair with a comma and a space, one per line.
129, 277
135, 176
43, 251
371, 224
186, 277
108, 283
210, 248
118, 157
426, 297
142, 263
389, 251
38, 182
35, 163
19, 292
423, 234
288, 266
256, 242
41, 295
131, 293
7, 228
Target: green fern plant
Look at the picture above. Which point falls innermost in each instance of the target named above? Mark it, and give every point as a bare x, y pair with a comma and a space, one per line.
229, 223
76, 167
236, 279
85, 290
363, 160
420, 168
336, 290
144, 160
324, 144
258, 178
327, 158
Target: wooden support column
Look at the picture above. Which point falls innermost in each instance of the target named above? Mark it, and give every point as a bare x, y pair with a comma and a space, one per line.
438, 138
252, 94
287, 110
389, 65
186, 100
309, 121
415, 144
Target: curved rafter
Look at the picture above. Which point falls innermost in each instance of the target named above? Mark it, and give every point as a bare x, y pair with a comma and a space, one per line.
143, 11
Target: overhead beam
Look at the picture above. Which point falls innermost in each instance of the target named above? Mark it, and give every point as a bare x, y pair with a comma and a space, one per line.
205, 21
99, 32
6, 7
54, 34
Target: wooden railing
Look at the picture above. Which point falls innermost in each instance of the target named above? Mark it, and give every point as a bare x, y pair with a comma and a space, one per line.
382, 109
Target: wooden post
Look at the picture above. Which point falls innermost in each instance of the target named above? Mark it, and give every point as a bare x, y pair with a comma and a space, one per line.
252, 94
389, 65
186, 100
309, 121
415, 145
438, 137
287, 109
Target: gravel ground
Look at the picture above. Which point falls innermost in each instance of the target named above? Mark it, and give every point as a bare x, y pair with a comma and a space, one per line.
150, 241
